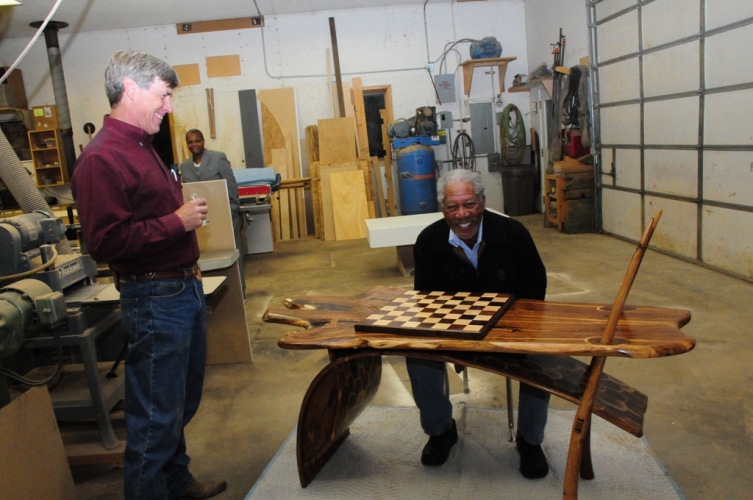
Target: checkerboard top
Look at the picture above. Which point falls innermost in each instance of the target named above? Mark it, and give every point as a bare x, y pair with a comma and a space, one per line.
436, 313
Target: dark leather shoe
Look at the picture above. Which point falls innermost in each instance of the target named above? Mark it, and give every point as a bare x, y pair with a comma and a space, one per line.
533, 463
200, 491
438, 448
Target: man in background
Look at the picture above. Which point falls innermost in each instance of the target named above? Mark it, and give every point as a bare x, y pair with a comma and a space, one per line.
133, 217
208, 165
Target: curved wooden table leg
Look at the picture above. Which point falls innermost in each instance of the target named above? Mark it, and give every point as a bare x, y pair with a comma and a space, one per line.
335, 398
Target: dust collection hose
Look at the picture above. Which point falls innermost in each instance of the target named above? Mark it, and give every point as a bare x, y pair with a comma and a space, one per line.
21, 186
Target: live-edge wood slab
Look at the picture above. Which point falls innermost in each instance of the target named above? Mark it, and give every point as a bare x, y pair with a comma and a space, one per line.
531, 343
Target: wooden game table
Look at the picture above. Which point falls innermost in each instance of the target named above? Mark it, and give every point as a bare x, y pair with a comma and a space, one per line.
533, 343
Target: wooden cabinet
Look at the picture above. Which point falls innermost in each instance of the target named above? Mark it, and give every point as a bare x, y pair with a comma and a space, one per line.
48, 158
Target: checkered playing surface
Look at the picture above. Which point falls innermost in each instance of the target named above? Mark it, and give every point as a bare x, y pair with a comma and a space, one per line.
471, 313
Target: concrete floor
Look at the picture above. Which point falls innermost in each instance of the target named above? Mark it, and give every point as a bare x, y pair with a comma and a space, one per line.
699, 420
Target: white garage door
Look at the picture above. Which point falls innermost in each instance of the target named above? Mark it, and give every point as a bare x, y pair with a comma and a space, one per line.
673, 118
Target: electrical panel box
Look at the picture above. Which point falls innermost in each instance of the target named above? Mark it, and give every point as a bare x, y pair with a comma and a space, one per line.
445, 86
482, 127
444, 120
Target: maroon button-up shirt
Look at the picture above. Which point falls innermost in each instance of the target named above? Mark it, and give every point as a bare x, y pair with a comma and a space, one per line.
126, 200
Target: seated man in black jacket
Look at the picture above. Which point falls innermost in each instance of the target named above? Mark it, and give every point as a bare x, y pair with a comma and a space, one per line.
474, 250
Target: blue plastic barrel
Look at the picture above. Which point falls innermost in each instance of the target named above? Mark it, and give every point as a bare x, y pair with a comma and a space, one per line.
417, 180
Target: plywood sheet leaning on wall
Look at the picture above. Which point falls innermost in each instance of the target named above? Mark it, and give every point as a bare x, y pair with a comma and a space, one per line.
360, 115
33, 463
349, 204
279, 119
337, 140
282, 200
328, 219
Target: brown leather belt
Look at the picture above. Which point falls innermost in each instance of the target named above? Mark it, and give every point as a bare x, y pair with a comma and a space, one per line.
188, 272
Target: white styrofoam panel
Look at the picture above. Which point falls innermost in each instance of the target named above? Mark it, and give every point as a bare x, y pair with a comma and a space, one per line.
621, 124
678, 227
729, 119
628, 165
724, 12
685, 21
618, 37
609, 7
619, 81
674, 121
621, 213
721, 69
728, 176
672, 70
671, 171
727, 240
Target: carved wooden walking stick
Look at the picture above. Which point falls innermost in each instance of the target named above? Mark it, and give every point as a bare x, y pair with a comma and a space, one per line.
582, 423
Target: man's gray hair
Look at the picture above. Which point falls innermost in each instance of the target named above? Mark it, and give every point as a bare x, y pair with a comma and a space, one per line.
462, 176
139, 66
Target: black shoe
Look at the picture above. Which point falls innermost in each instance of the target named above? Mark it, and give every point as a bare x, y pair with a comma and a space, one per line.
438, 448
533, 463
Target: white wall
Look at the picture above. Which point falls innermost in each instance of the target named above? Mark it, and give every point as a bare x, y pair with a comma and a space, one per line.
380, 45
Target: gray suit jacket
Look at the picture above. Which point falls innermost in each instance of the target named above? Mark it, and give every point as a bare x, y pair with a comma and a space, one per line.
215, 166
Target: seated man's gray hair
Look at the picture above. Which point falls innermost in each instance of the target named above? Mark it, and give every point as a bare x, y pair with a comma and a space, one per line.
463, 176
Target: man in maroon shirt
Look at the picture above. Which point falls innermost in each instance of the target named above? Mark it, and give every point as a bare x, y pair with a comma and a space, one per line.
132, 214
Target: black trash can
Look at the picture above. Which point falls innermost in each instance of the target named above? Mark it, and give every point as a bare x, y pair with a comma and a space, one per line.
518, 188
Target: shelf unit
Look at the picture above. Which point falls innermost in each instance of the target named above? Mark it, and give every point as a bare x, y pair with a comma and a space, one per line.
471, 64
569, 202
546, 82
48, 158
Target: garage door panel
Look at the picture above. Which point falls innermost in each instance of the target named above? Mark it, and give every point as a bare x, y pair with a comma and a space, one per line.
672, 122
728, 240
625, 82
721, 70
618, 37
728, 177
672, 70
683, 13
677, 229
621, 124
728, 118
723, 12
622, 213
671, 172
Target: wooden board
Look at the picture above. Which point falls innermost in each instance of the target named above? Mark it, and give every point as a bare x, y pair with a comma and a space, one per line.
376, 172
219, 66
279, 162
328, 220
218, 234
467, 315
279, 119
337, 140
188, 74
349, 206
391, 207
360, 115
33, 463
237, 23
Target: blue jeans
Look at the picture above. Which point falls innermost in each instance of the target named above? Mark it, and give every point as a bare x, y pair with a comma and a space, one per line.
427, 379
165, 324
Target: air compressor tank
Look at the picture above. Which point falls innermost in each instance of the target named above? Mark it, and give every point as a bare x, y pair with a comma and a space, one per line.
417, 180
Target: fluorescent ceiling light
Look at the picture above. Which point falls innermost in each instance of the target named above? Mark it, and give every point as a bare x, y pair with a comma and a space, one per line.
11, 2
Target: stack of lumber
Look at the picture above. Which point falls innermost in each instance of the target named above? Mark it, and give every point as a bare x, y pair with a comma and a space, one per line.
347, 185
